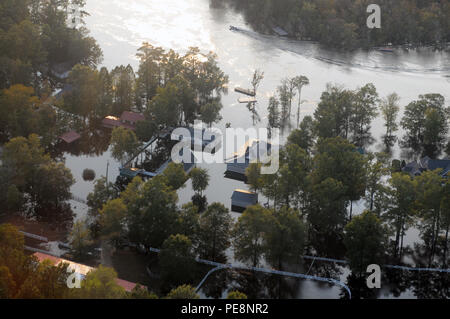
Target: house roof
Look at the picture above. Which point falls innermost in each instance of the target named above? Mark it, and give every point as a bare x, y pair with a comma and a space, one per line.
244, 196
280, 31
80, 268
132, 117
70, 137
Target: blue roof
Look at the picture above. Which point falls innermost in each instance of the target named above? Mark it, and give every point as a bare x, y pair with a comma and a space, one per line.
245, 196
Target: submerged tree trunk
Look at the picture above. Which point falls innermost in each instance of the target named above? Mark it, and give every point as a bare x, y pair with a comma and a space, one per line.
446, 245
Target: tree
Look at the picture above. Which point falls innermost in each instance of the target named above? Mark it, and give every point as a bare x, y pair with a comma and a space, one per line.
103, 192
304, 136
45, 183
426, 125
258, 76
101, 283
299, 82
274, 113
326, 214
17, 111
88, 174
214, 233
389, 109
285, 237
338, 159
236, 295
210, 112
445, 211
248, 234
124, 143
430, 188
188, 222
80, 239
165, 108
400, 214
183, 292
200, 180
286, 94
176, 176
112, 220
151, 211
253, 175
377, 168
365, 239
177, 260
123, 81
140, 292
84, 98
333, 114
364, 110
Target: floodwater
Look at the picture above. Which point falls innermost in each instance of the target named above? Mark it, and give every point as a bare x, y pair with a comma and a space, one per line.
120, 27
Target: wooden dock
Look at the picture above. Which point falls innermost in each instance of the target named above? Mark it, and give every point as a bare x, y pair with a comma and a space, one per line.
245, 91
247, 100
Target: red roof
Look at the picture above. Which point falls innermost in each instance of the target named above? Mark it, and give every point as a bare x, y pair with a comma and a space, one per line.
132, 117
70, 137
83, 269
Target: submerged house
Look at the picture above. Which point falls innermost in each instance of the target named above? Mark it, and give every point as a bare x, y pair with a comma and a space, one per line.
127, 120
241, 200
416, 168
251, 151
280, 32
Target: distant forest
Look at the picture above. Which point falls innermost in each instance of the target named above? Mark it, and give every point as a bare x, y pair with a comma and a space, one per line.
342, 23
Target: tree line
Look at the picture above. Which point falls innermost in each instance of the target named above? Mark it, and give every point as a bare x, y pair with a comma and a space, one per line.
342, 24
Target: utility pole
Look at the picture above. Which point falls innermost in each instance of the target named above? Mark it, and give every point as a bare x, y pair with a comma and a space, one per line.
107, 169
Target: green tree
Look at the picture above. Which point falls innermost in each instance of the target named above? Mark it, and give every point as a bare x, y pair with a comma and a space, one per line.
326, 214
430, 196
214, 232
285, 237
402, 192
80, 239
152, 211
188, 222
17, 111
183, 292
45, 182
365, 239
177, 260
112, 220
124, 143
377, 168
338, 159
176, 176
299, 82
258, 76
101, 283
236, 295
389, 110
304, 135
364, 110
333, 114
274, 113
84, 98
426, 125
210, 112
123, 83
200, 180
248, 234
140, 292
253, 175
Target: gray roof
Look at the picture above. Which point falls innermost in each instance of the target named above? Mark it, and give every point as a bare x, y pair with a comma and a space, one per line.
246, 197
